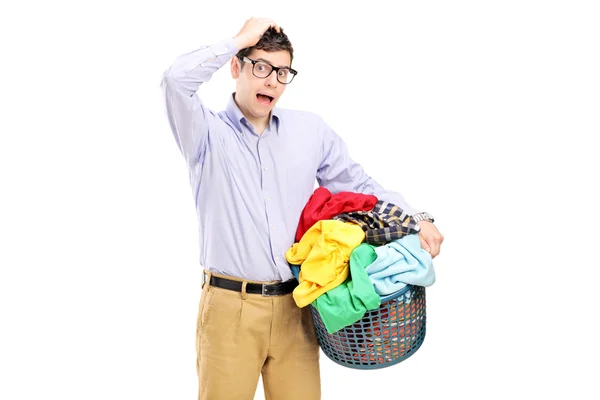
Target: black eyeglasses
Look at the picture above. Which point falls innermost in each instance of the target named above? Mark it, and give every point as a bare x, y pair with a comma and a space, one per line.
262, 69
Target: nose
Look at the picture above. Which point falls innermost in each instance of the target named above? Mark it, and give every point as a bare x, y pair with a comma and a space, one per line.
272, 81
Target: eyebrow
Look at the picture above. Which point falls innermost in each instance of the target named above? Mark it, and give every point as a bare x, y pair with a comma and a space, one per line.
268, 62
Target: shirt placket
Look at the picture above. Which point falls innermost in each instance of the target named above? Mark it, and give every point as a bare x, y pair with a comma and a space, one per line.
268, 192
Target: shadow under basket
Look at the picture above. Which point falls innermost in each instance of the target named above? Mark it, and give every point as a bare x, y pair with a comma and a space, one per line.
383, 337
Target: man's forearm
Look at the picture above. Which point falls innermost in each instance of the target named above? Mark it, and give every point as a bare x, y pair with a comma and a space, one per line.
187, 115
192, 69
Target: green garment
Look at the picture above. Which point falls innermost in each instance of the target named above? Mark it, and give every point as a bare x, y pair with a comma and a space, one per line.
347, 303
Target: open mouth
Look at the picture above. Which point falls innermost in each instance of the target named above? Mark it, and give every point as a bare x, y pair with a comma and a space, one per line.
264, 99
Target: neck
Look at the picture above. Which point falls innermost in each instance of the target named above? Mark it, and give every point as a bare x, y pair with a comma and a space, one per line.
259, 124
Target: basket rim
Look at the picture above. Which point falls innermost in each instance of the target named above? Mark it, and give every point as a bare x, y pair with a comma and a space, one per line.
397, 293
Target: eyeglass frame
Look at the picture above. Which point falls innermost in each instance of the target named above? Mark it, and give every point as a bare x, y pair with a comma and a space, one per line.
273, 68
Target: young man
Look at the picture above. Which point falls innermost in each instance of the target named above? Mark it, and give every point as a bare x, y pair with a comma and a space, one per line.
252, 169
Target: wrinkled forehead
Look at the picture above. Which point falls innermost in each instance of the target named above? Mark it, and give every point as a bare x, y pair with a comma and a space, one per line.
279, 58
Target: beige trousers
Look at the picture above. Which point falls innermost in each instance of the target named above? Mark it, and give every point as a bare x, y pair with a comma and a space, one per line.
240, 335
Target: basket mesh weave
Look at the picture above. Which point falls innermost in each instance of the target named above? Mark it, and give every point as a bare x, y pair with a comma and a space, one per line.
383, 337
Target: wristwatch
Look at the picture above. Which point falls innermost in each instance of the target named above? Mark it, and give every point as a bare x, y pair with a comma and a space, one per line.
423, 216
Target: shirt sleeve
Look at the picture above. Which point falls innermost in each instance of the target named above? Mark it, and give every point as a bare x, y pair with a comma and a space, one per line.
338, 172
189, 119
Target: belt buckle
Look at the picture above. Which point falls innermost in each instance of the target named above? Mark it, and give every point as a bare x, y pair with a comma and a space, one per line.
271, 290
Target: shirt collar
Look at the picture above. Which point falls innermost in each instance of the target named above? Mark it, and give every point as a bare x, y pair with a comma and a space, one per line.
235, 114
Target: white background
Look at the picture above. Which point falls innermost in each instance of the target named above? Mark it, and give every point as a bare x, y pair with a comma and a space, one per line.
483, 113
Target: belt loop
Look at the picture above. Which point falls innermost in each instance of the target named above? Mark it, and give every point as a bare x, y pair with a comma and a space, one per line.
244, 294
206, 275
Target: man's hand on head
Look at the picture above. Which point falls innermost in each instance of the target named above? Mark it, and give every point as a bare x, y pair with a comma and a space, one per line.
252, 31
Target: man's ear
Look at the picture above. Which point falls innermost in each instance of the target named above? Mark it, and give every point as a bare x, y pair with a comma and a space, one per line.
235, 67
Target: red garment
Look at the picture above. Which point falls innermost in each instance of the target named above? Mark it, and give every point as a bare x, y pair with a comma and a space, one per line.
323, 205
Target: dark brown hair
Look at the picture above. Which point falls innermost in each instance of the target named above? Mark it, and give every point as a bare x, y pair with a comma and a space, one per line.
270, 41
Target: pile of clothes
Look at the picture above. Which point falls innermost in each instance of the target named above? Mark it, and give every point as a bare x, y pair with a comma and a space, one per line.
350, 250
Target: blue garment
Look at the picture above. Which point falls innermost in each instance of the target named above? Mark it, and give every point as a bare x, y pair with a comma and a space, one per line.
295, 271
399, 263
250, 188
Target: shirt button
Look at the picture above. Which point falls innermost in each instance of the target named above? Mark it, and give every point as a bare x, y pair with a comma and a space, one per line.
268, 198
265, 168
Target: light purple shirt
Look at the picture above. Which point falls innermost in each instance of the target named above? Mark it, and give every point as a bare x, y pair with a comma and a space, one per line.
250, 189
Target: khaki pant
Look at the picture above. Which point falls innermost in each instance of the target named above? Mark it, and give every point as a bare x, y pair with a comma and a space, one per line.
240, 335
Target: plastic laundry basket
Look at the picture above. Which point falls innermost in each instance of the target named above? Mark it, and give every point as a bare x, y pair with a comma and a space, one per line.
383, 337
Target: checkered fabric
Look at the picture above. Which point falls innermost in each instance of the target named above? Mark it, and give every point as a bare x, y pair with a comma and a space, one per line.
384, 223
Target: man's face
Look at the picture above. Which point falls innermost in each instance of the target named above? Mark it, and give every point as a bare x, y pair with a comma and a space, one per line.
256, 97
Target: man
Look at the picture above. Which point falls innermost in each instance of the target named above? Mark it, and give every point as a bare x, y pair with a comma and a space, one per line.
252, 168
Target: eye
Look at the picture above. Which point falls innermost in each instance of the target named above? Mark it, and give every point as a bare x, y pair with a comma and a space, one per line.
262, 67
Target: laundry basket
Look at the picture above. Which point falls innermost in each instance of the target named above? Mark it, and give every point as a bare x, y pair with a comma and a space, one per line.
383, 337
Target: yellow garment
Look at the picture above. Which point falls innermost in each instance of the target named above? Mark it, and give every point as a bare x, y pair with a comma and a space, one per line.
323, 252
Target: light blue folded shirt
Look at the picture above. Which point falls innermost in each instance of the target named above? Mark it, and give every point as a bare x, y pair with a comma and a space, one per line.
400, 263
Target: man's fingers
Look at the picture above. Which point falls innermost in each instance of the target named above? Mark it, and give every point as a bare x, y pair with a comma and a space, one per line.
270, 22
424, 244
274, 26
253, 29
435, 250
435, 242
431, 244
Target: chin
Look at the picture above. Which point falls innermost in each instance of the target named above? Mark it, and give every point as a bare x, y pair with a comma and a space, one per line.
262, 112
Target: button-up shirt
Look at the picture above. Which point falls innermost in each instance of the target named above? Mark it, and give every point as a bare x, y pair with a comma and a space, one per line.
250, 189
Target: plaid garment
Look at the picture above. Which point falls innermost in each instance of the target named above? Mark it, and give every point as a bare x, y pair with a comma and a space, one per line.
384, 223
